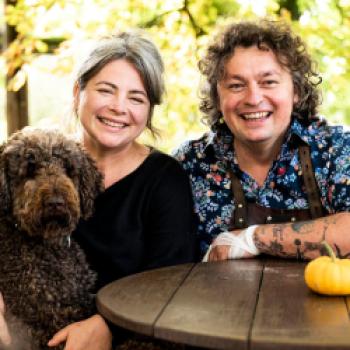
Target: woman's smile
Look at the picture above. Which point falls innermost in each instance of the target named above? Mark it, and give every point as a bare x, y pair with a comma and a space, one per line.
114, 106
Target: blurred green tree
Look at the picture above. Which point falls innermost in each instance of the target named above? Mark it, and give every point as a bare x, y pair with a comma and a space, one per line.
181, 29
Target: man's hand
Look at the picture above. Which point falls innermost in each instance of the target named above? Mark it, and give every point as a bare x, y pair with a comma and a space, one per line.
90, 334
233, 245
219, 252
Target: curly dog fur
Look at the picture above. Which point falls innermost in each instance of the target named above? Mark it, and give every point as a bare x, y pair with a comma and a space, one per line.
47, 183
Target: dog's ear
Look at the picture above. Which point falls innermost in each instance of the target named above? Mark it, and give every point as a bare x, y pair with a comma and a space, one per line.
5, 196
91, 184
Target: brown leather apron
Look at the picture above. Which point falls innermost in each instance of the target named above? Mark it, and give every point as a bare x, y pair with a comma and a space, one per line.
246, 214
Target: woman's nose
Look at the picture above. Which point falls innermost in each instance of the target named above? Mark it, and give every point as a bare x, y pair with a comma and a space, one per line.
118, 104
253, 95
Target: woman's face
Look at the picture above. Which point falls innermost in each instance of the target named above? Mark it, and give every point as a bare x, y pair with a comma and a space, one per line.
256, 97
113, 108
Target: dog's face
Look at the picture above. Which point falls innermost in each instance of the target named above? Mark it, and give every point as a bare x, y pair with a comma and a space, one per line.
47, 182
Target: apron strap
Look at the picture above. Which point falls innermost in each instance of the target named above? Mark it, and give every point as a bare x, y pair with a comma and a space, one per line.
239, 218
310, 184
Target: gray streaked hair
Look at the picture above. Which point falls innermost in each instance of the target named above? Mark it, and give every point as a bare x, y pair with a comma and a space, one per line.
138, 50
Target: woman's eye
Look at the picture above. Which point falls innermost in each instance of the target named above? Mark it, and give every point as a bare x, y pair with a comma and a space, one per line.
105, 91
137, 100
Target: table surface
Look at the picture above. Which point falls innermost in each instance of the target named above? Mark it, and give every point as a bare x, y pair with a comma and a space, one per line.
242, 304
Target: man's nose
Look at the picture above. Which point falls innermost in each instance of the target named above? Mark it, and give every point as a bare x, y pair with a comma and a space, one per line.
253, 95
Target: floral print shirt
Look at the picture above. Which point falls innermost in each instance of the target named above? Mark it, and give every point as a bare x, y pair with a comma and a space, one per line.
207, 159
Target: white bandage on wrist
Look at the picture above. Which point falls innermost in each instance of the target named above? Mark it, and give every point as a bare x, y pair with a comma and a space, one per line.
206, 256
241, 245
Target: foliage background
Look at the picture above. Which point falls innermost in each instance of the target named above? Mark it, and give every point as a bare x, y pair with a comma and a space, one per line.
181, 29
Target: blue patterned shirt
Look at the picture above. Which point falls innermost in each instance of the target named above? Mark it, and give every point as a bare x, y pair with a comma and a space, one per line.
207, 159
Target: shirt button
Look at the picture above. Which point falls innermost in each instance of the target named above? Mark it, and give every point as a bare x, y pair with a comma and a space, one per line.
293, 219
240, 205
269, 218
240, 220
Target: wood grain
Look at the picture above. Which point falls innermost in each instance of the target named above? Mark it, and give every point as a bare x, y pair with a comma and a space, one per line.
214, 306
289, 316
135, 302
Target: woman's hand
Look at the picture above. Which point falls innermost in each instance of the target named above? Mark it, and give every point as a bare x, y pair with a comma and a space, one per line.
5, 337
90, 334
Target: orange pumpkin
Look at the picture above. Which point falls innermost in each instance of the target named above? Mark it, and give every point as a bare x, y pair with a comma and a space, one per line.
328, 274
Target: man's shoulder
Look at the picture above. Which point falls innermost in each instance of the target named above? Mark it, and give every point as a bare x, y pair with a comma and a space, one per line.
324, 128
326, 141
322, 134
193, 148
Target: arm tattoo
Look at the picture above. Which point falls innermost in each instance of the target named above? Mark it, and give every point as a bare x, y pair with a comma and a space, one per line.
303, 227
277, 231
339, 254
297, 243
301, 240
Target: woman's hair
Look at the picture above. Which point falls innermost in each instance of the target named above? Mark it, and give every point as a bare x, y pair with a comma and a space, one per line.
290, 52
137, 50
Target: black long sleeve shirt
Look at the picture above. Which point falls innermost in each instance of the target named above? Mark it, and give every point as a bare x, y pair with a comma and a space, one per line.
143, 221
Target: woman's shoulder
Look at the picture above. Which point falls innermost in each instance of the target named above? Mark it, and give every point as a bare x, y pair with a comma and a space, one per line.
160, 162
161, 169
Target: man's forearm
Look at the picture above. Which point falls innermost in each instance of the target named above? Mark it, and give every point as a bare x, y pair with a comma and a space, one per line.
302, 239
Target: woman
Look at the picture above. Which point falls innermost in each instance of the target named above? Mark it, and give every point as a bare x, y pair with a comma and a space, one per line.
270, 177
143, 219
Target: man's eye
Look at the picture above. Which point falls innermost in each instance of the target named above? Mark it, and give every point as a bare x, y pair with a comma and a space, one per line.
236, 87
269, 83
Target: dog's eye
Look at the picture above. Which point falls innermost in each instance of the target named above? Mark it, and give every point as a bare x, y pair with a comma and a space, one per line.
70, 170
31, 167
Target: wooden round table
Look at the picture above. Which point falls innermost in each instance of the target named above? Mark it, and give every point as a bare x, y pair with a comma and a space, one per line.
242, 304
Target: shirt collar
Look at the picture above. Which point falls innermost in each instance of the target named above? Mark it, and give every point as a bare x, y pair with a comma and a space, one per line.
220, 138
298, 130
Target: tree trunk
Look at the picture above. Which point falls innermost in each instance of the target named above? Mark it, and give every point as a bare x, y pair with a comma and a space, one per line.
16, 101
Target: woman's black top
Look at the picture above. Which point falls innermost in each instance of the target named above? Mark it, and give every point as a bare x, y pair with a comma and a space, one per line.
141, 222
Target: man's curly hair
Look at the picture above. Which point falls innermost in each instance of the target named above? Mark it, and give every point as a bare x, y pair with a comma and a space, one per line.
290, 52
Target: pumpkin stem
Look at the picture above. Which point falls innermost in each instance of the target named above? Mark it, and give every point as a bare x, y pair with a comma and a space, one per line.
329, 250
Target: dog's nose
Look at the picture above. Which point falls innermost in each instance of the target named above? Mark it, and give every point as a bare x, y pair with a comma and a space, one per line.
55, 202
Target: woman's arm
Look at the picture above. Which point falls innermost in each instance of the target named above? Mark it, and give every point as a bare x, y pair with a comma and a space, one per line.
5, 337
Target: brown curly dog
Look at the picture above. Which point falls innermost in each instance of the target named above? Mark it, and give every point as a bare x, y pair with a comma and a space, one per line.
47, 183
